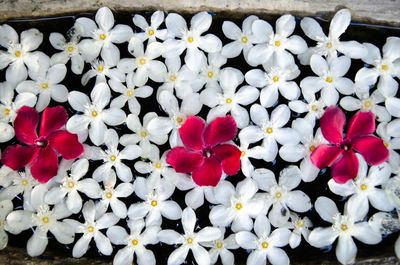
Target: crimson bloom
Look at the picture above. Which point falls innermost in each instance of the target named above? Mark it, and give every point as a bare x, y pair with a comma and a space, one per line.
204, 154
340, 155
41, 151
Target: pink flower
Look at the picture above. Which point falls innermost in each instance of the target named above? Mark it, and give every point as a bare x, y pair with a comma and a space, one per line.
41, 151
340, 155
204, 154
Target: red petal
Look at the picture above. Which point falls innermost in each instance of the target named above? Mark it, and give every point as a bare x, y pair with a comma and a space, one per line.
345, 168
362, 123
52, 119
25, 125
324, 155
66, 144
18, 156
371, 148
220, 130
46, 165
332, 124
184, 160
209, 173
230, 157
191, 133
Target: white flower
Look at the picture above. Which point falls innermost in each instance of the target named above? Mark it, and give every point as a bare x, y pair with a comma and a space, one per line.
6, 206
331, 45
134, 243
242, 39
101, 70
279, 70
71, 184
392, 105
144, 64
228, 100
111, 194
389, 133
385, 67
155, 202
102, 37
314, 108
363, 188
343, 226
220, 247
142, 134
94, 113
7, 176
269, 43
129, 93
45, 219
19, 54
210, 73
256, 152
270, 129
281, 195
303, 150
190, 240
236, 207
330, 78
46, 84
264, 244
94, 222
190, 40
300, 228
151, 32
69, 50
112, 157
392, 188
190, 106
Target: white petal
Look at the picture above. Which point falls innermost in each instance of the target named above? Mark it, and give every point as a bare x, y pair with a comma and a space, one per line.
339, 23
124, 256
326, 208
364, 233
322, 237
175, 24
256, 77
96, 131
344, 189
352, 49
37, 243
201, 22
393, 106
346, 250
103, 244
311, 28
114, 116
319, 65
298, 201
78, 100
171, 210
188, 220
178, 256
210, 43
169, 237
246, 240
292, 153
81, 246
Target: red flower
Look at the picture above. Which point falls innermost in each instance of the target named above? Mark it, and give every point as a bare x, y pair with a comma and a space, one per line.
203, 154
41, 151
340, 155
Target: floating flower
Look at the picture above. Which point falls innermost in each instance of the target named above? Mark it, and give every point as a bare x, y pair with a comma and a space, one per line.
204, 154
41, 150
340, 155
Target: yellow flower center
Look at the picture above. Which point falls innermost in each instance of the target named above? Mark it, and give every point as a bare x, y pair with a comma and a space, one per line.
90, 229
243, 154
6, 111
179, 119
142, 61
244, 39
329, 45
153, 203
190, 39
312, 148
344, 227
363, 187
277, 43
100, 68
384, 67
71, 184
269, 130
314, 108
329, 80
158, 165
189, 240
151, 32
112, 158
276, 79
24, 182
143, 134
17, 54
219, 245
264, 244
108, 195
386, 144
278, 195
210, 74
228, 100
172, 78
239, 206
367, 104
94, 113
129, 93
134, 242
70, 48
45, 220
45, 85
102, 36
300, 223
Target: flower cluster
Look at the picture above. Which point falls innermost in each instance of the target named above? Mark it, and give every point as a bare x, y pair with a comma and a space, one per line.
150, 135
